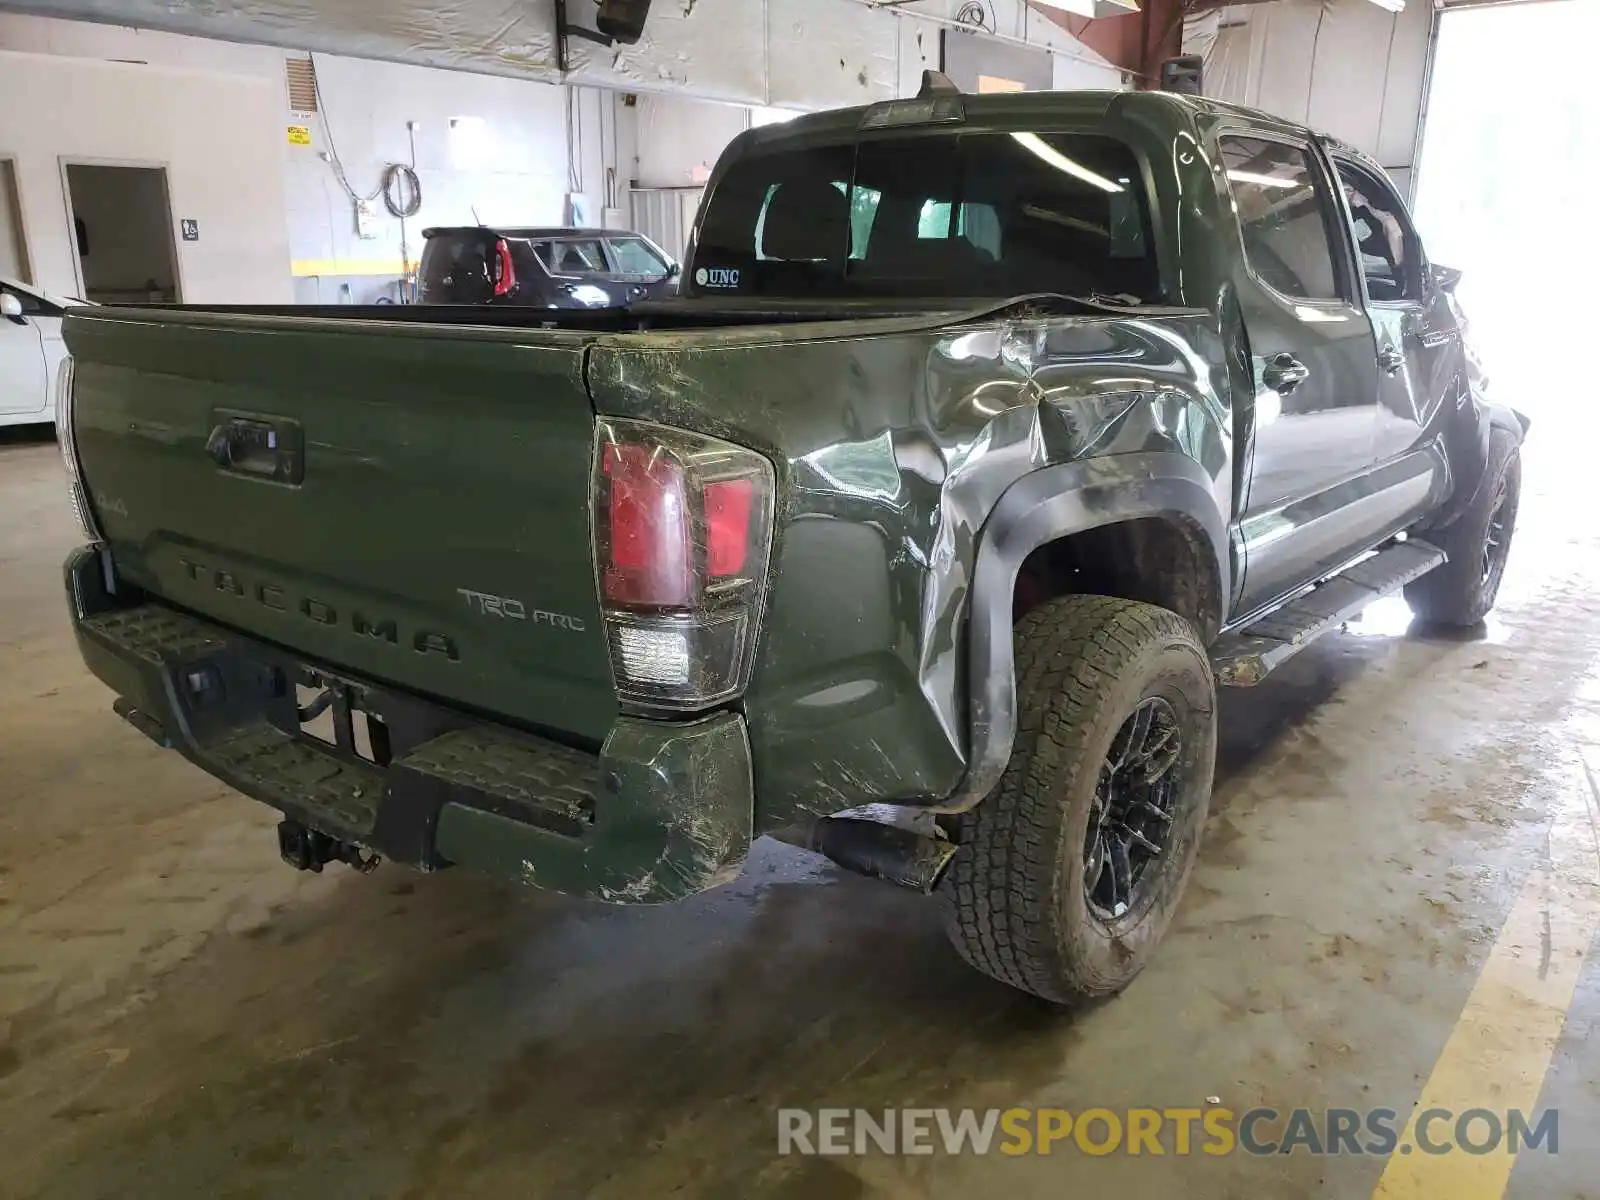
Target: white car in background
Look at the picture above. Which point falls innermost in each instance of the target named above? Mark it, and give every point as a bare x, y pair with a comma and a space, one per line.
31, 351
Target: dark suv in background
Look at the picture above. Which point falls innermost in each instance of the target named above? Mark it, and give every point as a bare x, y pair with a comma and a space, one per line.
543, 268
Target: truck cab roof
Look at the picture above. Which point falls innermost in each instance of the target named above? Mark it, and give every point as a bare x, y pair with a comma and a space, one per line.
1034, 109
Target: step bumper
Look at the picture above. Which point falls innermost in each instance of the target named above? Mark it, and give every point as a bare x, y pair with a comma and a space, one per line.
664, 810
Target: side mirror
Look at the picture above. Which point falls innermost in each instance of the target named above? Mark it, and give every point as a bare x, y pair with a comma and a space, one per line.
1446, 277
674, 270
11, 308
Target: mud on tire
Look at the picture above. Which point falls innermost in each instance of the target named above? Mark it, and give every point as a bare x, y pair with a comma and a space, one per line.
1019, 901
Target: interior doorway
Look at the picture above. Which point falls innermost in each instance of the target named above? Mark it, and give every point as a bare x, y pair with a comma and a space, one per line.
122, 233
13, 249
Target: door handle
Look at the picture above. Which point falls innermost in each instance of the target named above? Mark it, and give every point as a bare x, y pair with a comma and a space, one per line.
1391, 360
220, 445
1284, 372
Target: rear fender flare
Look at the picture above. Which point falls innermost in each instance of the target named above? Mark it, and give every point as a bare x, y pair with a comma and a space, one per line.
1041, 507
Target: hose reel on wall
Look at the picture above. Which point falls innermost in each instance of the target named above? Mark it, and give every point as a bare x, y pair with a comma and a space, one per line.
404, 200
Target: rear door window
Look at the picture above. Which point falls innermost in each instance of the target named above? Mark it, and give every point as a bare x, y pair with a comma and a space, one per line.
575, 256
945, 214
1388, 246
1285, 216
527, 260
633, 256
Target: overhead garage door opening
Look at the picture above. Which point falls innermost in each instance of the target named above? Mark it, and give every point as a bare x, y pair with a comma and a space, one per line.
1507, 150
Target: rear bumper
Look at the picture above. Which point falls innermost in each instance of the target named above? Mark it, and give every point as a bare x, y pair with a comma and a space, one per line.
663, 811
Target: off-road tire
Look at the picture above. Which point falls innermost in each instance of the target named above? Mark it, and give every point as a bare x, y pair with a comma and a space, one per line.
1462, 592
1014, 895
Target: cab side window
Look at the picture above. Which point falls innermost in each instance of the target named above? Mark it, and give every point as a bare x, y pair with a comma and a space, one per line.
1386, 243
1284, 217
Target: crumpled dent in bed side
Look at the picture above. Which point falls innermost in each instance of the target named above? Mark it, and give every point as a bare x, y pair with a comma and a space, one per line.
892, 451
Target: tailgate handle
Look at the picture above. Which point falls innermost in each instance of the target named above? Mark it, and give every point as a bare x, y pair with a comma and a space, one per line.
220, 446
260, 447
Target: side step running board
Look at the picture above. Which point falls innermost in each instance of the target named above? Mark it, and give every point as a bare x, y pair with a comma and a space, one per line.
1246, 656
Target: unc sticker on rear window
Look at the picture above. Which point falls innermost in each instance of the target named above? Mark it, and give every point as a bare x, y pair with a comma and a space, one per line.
717, 277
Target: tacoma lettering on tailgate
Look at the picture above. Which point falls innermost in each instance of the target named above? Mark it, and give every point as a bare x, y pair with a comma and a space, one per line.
280, 599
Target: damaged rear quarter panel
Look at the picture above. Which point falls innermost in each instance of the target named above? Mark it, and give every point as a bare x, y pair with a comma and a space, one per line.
893, 440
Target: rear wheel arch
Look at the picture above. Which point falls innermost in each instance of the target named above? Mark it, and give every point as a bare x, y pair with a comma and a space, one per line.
1147, 503
1160, 560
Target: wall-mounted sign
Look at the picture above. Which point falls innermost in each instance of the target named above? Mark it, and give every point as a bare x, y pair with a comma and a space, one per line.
191, 229
299, 135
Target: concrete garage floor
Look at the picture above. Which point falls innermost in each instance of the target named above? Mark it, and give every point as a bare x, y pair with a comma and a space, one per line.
180, 1014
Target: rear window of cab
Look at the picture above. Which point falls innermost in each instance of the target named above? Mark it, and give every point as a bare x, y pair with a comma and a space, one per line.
973, 214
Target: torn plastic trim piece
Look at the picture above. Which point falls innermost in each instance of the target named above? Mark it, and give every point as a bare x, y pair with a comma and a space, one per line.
875, 849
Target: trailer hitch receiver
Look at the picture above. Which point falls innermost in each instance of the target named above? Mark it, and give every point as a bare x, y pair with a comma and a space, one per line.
307, 850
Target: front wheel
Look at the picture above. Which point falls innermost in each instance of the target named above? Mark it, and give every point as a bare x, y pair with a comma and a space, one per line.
1462, 592
1067, 875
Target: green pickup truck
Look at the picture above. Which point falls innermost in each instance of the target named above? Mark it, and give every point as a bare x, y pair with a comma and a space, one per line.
988, 435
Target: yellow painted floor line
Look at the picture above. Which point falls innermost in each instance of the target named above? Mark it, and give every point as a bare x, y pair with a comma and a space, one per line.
1500, 1049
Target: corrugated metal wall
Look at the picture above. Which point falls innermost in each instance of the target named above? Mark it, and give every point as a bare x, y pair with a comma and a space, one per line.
1347, 67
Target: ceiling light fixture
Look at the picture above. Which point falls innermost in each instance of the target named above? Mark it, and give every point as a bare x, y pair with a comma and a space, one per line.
1096, 8
1271, 181
1061, 162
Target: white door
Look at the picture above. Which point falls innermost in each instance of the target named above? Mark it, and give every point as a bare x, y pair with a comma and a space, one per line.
23, 380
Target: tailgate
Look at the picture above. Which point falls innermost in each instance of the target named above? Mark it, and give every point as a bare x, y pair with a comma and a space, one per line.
408, 502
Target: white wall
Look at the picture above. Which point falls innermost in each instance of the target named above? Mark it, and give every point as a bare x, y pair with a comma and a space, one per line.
520, 177
514, 174
677, 136
604, 131
1076, 74
1350, 68
215, 133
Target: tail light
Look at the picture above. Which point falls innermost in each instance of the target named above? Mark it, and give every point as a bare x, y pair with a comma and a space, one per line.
683, 534
67, 439
505, 275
